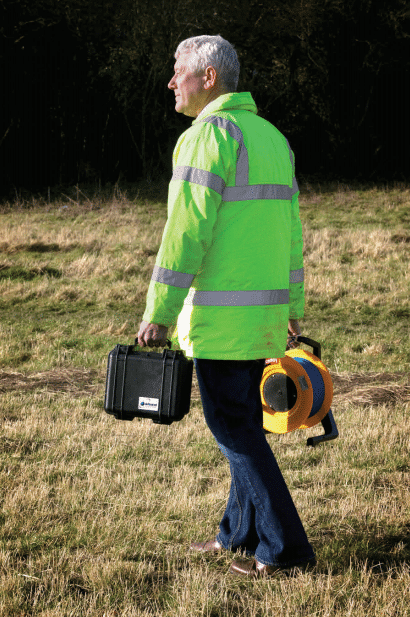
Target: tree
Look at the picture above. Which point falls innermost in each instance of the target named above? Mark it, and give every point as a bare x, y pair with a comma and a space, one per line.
86, 83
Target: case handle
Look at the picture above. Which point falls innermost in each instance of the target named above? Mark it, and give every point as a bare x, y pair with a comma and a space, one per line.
167, 345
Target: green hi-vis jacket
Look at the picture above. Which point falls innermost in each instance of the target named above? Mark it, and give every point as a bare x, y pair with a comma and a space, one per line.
230, 266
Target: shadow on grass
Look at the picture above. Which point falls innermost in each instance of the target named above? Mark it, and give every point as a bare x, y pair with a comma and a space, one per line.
382, 552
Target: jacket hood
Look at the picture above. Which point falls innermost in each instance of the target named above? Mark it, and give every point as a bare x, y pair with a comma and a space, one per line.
227, 102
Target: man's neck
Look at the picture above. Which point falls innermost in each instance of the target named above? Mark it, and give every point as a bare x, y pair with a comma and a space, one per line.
216, 96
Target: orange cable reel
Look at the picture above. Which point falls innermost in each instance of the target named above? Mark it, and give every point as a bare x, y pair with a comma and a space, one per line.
296, 392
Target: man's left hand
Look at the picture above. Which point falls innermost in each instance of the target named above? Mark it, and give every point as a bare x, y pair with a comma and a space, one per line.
293, 332
152, 334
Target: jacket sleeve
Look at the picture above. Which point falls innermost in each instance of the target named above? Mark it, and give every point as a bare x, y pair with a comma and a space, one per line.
296, 282
199, 176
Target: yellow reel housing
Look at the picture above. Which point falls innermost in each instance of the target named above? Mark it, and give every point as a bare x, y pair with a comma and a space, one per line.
296, 392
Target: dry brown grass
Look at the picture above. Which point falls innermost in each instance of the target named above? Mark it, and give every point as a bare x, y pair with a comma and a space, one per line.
76, 382
96, 514
366, 389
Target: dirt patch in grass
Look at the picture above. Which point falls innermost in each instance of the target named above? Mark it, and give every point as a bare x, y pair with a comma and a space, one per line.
372, 388
77, 382
360, 388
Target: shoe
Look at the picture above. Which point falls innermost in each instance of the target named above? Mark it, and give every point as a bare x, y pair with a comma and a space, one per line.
209, 546
252, 568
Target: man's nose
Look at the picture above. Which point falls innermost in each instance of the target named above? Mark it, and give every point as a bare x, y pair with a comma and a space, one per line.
171, 84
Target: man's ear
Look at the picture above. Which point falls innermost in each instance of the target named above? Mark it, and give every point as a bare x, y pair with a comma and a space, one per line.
209, 77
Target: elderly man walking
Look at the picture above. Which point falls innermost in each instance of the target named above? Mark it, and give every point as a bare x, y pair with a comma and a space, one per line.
229, 273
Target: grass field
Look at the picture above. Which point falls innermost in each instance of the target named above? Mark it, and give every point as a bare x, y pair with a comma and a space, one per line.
96, 515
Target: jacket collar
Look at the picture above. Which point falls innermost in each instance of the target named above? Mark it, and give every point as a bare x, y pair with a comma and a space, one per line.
233, 101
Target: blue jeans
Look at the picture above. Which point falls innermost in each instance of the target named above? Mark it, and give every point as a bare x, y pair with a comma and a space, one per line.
260, 516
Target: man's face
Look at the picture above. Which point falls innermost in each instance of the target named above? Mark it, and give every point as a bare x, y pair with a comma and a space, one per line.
188, 86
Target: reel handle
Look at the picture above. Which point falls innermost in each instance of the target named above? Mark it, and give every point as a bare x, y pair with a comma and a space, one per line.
317, 349
330, 433
328, 421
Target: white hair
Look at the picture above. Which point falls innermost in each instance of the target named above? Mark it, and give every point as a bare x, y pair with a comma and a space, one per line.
213, 51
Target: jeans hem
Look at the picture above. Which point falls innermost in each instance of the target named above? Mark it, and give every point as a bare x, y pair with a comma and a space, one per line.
290, 564
230, 548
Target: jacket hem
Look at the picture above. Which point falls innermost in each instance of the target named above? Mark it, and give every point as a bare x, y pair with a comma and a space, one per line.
213, 355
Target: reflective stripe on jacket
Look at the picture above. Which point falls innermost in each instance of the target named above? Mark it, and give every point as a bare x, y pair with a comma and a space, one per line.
230, 266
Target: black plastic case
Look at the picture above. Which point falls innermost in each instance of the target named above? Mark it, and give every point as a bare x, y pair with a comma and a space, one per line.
147, 384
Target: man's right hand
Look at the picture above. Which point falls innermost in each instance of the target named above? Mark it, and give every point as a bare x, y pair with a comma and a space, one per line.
152, 334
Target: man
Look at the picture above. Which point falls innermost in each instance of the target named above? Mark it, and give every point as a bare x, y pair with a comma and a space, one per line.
230, 272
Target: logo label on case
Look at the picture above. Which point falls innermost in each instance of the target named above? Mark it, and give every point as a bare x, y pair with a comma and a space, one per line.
150, 404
